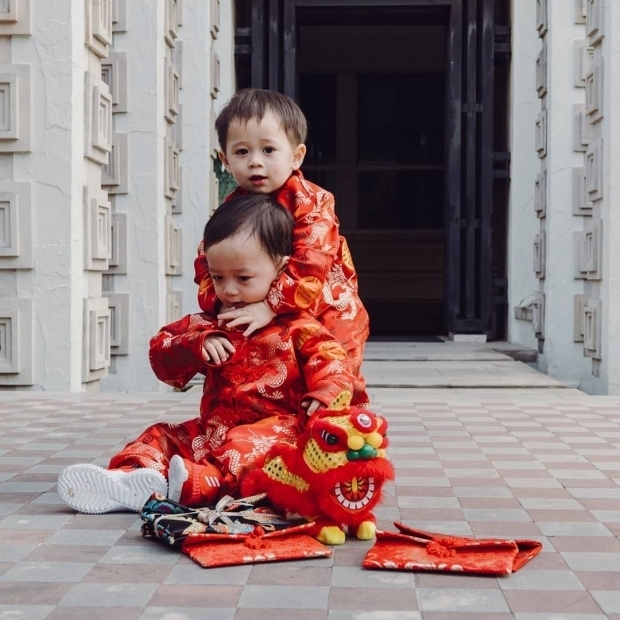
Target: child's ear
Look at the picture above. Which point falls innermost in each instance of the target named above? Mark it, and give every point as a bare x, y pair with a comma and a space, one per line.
283, 263
298, 156
224, 160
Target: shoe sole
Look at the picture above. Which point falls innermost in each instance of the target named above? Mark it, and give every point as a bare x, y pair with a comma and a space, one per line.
177, 475
91, 489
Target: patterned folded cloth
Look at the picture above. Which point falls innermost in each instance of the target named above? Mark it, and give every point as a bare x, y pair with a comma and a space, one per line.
170, 523
417, 550
294, 543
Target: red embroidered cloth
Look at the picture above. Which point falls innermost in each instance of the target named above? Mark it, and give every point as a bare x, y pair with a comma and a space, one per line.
417, 550
295, 543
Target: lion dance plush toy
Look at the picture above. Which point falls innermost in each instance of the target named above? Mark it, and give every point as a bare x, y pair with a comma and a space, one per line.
332, 476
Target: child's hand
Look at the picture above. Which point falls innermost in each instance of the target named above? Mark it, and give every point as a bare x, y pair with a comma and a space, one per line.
311, 405
255, 316
217, 349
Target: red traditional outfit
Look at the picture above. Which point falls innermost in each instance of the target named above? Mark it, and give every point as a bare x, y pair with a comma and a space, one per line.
320, 277
249, 402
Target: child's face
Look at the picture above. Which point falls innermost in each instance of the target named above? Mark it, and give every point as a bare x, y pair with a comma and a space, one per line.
259, 154
242, 272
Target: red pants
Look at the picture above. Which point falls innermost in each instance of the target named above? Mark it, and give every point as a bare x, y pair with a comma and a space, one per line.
233, 450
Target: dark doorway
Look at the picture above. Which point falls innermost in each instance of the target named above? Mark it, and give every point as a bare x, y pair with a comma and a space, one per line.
374, 97
407, 104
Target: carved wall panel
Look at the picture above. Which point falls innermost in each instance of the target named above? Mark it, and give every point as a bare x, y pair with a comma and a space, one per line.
594, 170
541, 17
99, 26
581, 204
540, 194
541, 72
173, 307
115, 175
15, 18
96, 353
15, 111
589, 251
215, 74
98, 115
98, 233
582, 130
594, 90
119, 15
592, 328
538, 316
583, 58
15, 226
215, 18
595, 15
171, 169
171, 22
173, 245
16, 341
541, 134
539, 255
119, 322
579, 306
117, 265
580, 11
114, 74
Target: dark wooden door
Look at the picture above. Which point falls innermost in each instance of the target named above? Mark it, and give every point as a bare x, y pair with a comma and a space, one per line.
267, 54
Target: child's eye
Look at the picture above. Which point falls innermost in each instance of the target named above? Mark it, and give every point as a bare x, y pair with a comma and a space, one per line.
244, 278
216, 278
241, 152
269, 149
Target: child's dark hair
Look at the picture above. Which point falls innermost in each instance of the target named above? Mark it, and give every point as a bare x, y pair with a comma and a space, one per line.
259, 216
253, 103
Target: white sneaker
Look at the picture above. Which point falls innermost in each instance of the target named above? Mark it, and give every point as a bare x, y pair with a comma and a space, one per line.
94, 490
177, 475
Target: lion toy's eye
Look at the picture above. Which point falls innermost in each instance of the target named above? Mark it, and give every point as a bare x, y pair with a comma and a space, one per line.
329, 438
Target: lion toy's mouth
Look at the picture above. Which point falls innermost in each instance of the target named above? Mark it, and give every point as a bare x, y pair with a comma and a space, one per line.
356, 493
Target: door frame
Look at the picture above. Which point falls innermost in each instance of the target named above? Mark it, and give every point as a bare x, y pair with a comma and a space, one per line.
468, 288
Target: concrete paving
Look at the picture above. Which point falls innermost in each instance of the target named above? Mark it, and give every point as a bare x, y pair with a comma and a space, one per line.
526, 462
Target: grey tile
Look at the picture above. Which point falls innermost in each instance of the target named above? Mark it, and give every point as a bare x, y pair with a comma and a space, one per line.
140, 554
482, 492
26, 487
97, 538
559, 616
226, 575
341, 614
428, 502
15, 553
353, 577
552, 528
187, 613
590, 561
541, 580
34, 522
465, 601
25, 612
543, 503
48, 571
501, 514
9, 508
608, 600
284, 597
109, 595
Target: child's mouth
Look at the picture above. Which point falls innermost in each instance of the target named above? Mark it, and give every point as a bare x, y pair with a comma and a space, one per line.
256, 179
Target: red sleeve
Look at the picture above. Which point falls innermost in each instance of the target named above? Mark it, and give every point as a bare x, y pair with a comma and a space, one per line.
176, 353
315, 245
324, 363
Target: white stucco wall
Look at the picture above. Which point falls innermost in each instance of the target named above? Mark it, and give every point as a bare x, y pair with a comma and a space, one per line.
58, 282
522, 221
609, 376
562, 358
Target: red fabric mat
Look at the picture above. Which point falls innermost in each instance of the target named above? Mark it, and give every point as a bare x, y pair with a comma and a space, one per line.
417, 550
294, 543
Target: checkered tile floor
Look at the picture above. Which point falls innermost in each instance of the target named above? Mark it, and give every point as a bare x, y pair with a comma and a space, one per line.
537, 467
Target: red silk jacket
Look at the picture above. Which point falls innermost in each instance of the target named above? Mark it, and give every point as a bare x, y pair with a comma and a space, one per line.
270, 373
320, 277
